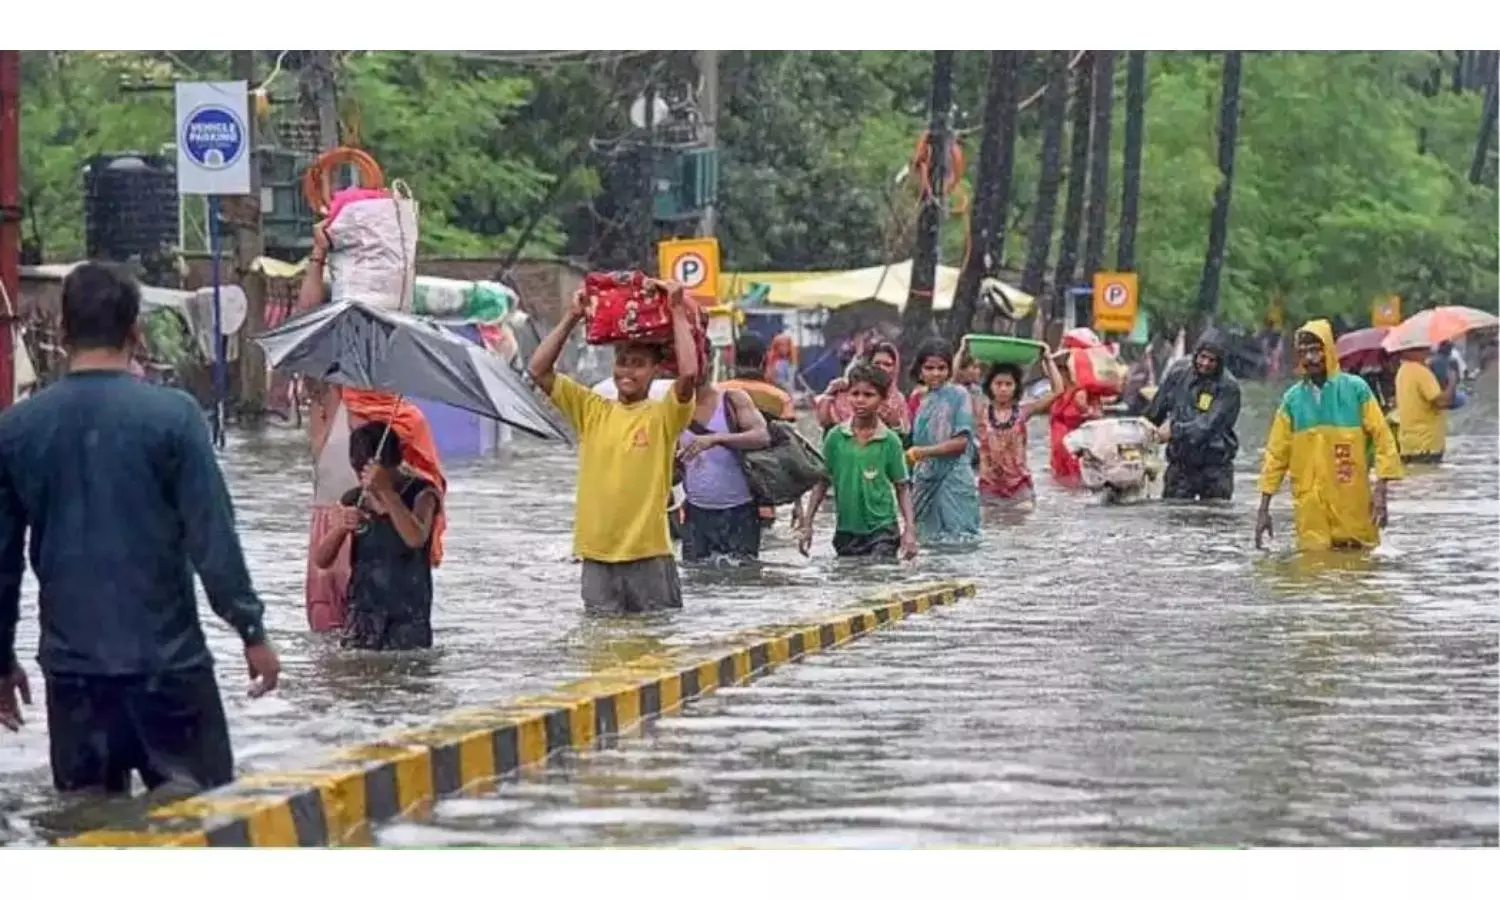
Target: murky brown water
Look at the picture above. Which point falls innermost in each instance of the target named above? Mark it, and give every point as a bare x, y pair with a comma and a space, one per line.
1125, 675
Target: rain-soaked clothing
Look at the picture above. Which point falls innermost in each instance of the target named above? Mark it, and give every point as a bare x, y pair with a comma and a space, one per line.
390, 582
1066, 417
1424, 424
945, 489
1325, 438
118, 483
1203, 410
169, 727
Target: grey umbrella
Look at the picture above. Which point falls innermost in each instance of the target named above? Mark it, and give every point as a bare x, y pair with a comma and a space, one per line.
360, 346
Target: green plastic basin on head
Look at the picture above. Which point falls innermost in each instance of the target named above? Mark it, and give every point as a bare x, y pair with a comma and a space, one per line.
998, 348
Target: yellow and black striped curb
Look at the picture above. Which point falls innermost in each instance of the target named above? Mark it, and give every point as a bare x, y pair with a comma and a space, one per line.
335, 802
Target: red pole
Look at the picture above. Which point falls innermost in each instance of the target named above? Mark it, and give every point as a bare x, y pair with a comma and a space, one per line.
10, 215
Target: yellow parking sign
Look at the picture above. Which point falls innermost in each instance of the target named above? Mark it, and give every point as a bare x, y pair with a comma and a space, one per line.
693, 263
1116, 300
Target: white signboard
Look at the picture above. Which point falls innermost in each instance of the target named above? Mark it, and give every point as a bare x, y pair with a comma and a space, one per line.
213, 138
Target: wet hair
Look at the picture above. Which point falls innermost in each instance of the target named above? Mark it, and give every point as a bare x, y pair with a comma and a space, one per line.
934, 348
750, 352
367, 438
998, 369
100, 306
871, 374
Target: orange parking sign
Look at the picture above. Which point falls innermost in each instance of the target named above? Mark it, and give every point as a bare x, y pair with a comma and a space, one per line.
1116, 301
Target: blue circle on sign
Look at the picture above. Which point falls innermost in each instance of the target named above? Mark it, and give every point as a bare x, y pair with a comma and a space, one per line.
213, 137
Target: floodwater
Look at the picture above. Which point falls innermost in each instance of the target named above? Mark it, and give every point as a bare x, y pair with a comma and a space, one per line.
1127, 675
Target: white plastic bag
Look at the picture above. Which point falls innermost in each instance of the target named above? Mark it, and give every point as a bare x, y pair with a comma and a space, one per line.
372, 256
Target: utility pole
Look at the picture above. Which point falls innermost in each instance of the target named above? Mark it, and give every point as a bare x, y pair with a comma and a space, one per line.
320, 95
916, 318
708, 109
648, 183
10, 217
249, 245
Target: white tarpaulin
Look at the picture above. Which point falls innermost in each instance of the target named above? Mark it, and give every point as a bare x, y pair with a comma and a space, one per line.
888, 284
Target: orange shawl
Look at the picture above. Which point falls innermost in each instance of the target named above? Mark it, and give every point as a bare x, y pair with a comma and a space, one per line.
418, 450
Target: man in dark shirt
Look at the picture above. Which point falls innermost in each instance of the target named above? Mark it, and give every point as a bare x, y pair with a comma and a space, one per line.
119, 486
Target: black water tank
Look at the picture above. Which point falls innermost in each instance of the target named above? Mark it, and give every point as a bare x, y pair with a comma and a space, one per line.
129, 205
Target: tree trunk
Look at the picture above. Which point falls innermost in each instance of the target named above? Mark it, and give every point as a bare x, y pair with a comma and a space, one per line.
1098, 211
916, 318
1067, 251
1135, 125
1039, 238
1431, 86
992, 189
1482, 142
1458, 72
1218, 225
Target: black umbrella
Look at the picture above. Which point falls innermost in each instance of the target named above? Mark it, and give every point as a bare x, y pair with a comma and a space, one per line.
360, 346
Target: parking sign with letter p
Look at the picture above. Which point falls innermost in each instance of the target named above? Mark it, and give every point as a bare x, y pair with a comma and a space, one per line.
693, 263
1116, 300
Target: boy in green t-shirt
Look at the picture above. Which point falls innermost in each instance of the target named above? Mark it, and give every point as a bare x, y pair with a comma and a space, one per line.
867, 467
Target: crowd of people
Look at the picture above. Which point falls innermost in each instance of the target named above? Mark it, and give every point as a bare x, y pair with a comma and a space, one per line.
117, 483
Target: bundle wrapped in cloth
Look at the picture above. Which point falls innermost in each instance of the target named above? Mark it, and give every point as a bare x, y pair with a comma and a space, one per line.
1092, 364
372, 255
630, 307
624, 306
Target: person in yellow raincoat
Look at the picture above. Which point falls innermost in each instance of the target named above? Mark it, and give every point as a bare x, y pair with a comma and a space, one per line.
1323, 434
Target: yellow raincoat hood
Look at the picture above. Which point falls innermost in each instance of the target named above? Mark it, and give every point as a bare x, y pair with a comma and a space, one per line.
1322, 329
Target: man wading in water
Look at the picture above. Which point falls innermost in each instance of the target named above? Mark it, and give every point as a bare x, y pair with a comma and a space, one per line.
1196, 409
119, 485
1325, 433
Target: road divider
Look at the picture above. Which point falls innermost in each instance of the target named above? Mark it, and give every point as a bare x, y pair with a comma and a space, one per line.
336, 802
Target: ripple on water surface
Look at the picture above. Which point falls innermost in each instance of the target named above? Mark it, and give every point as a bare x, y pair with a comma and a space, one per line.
1126, 675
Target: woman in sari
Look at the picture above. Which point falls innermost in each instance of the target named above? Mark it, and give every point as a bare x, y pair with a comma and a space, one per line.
945, 491
833, 408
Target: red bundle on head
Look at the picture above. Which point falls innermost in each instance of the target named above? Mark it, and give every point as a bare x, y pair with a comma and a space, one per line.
622, 308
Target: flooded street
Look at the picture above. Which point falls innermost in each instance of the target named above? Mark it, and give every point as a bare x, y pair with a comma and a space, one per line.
1136, 675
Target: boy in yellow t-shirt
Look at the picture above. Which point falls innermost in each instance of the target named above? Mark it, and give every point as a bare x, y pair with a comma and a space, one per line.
1421, 407
626, 449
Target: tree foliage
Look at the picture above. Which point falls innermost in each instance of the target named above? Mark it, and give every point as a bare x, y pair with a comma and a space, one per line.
1335, 201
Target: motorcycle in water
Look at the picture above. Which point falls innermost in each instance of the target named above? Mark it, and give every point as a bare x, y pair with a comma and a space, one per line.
1119, 458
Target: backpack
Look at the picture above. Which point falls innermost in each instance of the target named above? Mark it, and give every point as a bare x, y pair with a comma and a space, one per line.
781, 472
